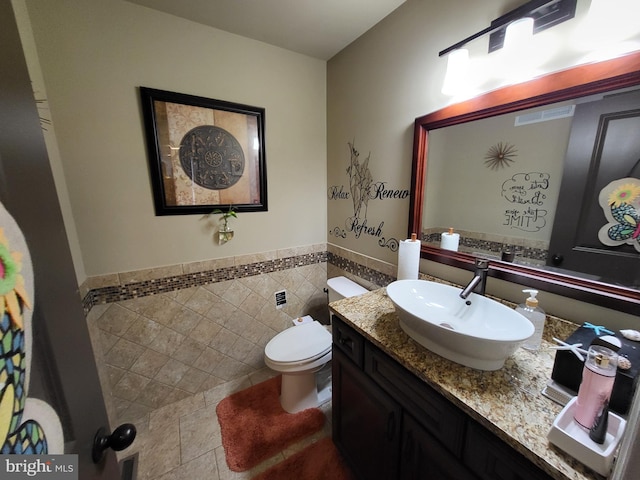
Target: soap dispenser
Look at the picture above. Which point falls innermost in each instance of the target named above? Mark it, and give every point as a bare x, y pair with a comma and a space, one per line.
535, 315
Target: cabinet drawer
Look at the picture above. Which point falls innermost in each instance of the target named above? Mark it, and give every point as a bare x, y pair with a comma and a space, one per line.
350, 342
439, 417
492, 459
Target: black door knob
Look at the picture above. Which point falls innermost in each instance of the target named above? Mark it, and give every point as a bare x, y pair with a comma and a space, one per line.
119, 439
557, 259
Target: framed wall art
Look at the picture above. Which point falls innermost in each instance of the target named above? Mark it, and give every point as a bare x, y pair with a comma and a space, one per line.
204, 154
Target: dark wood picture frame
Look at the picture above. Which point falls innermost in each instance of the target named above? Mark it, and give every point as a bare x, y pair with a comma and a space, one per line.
204, 154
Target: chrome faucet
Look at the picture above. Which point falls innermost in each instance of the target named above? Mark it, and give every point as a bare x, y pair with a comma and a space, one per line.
479, 281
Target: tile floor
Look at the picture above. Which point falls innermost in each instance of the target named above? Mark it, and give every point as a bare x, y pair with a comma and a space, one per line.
183, 441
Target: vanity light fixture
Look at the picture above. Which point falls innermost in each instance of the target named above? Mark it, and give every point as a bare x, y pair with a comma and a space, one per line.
514, 31
545, 14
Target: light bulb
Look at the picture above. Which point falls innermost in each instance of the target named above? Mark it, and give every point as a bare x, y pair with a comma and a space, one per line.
457, 68
519, 34
518, 58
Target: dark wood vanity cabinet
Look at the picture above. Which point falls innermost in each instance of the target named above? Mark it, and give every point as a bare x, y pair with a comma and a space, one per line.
388, 424
369, 421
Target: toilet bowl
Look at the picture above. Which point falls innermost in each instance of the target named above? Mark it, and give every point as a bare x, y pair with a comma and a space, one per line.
301, 351
298, 353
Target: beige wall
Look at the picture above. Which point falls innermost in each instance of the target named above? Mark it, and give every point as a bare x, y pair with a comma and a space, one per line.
94, 54
376, 87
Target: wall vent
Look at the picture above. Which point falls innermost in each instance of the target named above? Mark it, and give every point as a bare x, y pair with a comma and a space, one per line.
545, 115
281, 298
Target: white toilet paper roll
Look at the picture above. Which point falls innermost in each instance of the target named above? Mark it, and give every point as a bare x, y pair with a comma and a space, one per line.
450, 241
408, 259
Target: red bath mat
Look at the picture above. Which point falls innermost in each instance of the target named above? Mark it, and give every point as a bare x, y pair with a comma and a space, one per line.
255, 427
318, 461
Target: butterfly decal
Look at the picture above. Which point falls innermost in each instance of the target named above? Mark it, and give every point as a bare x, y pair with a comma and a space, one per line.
620, 202
628, 223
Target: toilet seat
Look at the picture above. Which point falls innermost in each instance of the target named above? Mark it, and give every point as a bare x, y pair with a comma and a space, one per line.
298, 345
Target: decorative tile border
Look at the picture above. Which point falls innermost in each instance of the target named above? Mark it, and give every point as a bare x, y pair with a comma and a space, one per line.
118, 287
373, 271
117, 293
366, 273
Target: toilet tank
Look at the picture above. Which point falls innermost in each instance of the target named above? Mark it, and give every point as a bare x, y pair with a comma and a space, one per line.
342, 287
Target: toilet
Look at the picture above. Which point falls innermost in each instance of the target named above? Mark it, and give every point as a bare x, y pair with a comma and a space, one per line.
301, 351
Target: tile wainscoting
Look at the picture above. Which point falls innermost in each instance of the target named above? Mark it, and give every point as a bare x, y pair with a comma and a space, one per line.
162, 335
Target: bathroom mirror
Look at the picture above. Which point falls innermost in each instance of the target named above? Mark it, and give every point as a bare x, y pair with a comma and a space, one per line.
542, 94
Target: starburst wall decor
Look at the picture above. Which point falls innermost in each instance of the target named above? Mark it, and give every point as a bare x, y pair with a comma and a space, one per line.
500, 155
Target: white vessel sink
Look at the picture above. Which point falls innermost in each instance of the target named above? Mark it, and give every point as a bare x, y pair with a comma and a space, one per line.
477, 332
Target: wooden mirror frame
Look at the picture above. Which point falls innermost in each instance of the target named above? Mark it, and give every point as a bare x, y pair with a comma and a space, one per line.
568, 84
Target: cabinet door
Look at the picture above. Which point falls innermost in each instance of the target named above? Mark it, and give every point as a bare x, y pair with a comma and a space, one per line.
366, 422
492, 459
423, 457
430, 409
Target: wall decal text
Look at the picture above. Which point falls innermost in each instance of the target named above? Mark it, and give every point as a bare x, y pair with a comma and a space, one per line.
362, 188
527, 192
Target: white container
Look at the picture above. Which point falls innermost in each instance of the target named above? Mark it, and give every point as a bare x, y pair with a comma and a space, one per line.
570, 437
536, 316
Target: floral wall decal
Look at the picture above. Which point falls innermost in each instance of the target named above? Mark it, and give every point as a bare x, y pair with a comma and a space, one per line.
620, 201
360, 181
362, 189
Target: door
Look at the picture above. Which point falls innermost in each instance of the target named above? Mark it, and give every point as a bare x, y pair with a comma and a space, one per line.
603, 156
62, 369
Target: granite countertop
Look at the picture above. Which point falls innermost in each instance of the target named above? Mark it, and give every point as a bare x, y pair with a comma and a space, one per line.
508, 402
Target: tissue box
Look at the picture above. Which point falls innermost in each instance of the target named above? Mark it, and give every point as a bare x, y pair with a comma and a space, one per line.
567, 368
574, 439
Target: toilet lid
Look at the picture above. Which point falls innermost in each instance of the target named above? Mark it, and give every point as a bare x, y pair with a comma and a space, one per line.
298, 343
